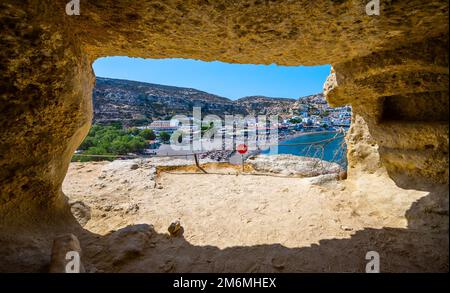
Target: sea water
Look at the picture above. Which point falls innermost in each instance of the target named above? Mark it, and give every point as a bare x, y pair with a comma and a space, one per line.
328, 146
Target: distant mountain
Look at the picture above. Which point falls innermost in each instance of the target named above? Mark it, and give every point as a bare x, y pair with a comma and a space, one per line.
134, 102
124, 100
255, 105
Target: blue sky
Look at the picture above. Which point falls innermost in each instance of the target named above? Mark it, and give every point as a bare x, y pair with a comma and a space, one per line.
228, 80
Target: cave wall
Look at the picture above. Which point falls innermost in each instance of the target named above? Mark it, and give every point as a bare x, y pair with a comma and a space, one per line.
392, 69
400, 104
46, 109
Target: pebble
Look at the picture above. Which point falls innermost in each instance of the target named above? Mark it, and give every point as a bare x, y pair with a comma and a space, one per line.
175, 228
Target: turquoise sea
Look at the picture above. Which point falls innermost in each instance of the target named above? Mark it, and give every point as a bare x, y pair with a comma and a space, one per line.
318, 145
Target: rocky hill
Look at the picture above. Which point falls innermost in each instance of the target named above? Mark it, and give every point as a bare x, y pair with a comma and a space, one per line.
255, 105
133, 102
124, 100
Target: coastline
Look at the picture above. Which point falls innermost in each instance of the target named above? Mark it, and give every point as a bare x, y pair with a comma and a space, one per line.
279, 150
300, 134
224, 155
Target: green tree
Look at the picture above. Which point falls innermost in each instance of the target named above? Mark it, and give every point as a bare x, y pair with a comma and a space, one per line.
147, 134
295, 120
117, 124
109, 140
87, 143
134, 131
93, 151
164, 136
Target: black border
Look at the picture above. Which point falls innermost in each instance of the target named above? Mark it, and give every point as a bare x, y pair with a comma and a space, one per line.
296, 282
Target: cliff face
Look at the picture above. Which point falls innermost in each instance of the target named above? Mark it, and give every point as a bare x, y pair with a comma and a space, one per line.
383, 65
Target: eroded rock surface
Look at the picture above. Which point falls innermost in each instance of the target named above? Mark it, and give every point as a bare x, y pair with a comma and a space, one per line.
66, 249
81, 212
289, 165
399, 98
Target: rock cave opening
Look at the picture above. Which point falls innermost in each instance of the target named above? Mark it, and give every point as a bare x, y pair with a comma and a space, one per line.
392, 70
125, 169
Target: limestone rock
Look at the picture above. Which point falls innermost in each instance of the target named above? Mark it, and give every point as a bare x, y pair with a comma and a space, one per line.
132, 208
81, 212
62, 245
129, 243
322, 179
134, 166
293, 165
175, 229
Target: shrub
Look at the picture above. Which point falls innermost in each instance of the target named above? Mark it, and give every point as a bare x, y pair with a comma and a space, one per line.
164, 136
109, 140
147, 134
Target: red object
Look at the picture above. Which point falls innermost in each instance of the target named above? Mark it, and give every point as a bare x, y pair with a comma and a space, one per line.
242, 148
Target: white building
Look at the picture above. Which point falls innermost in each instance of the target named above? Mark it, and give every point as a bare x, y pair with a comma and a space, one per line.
168, 126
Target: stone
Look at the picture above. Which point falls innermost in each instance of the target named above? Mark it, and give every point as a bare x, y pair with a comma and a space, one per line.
108, 208
346, 228
175, 229
81, 212
132, 208
278, 263
129, 243
62, 245
290, 165
323, 179
342, 175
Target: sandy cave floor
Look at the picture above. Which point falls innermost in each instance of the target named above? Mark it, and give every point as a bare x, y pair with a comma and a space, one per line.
246, 223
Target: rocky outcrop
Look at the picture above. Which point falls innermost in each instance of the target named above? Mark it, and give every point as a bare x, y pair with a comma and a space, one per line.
400, 97
66, 255
129, 243
81, 212
382, 64
290, 165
